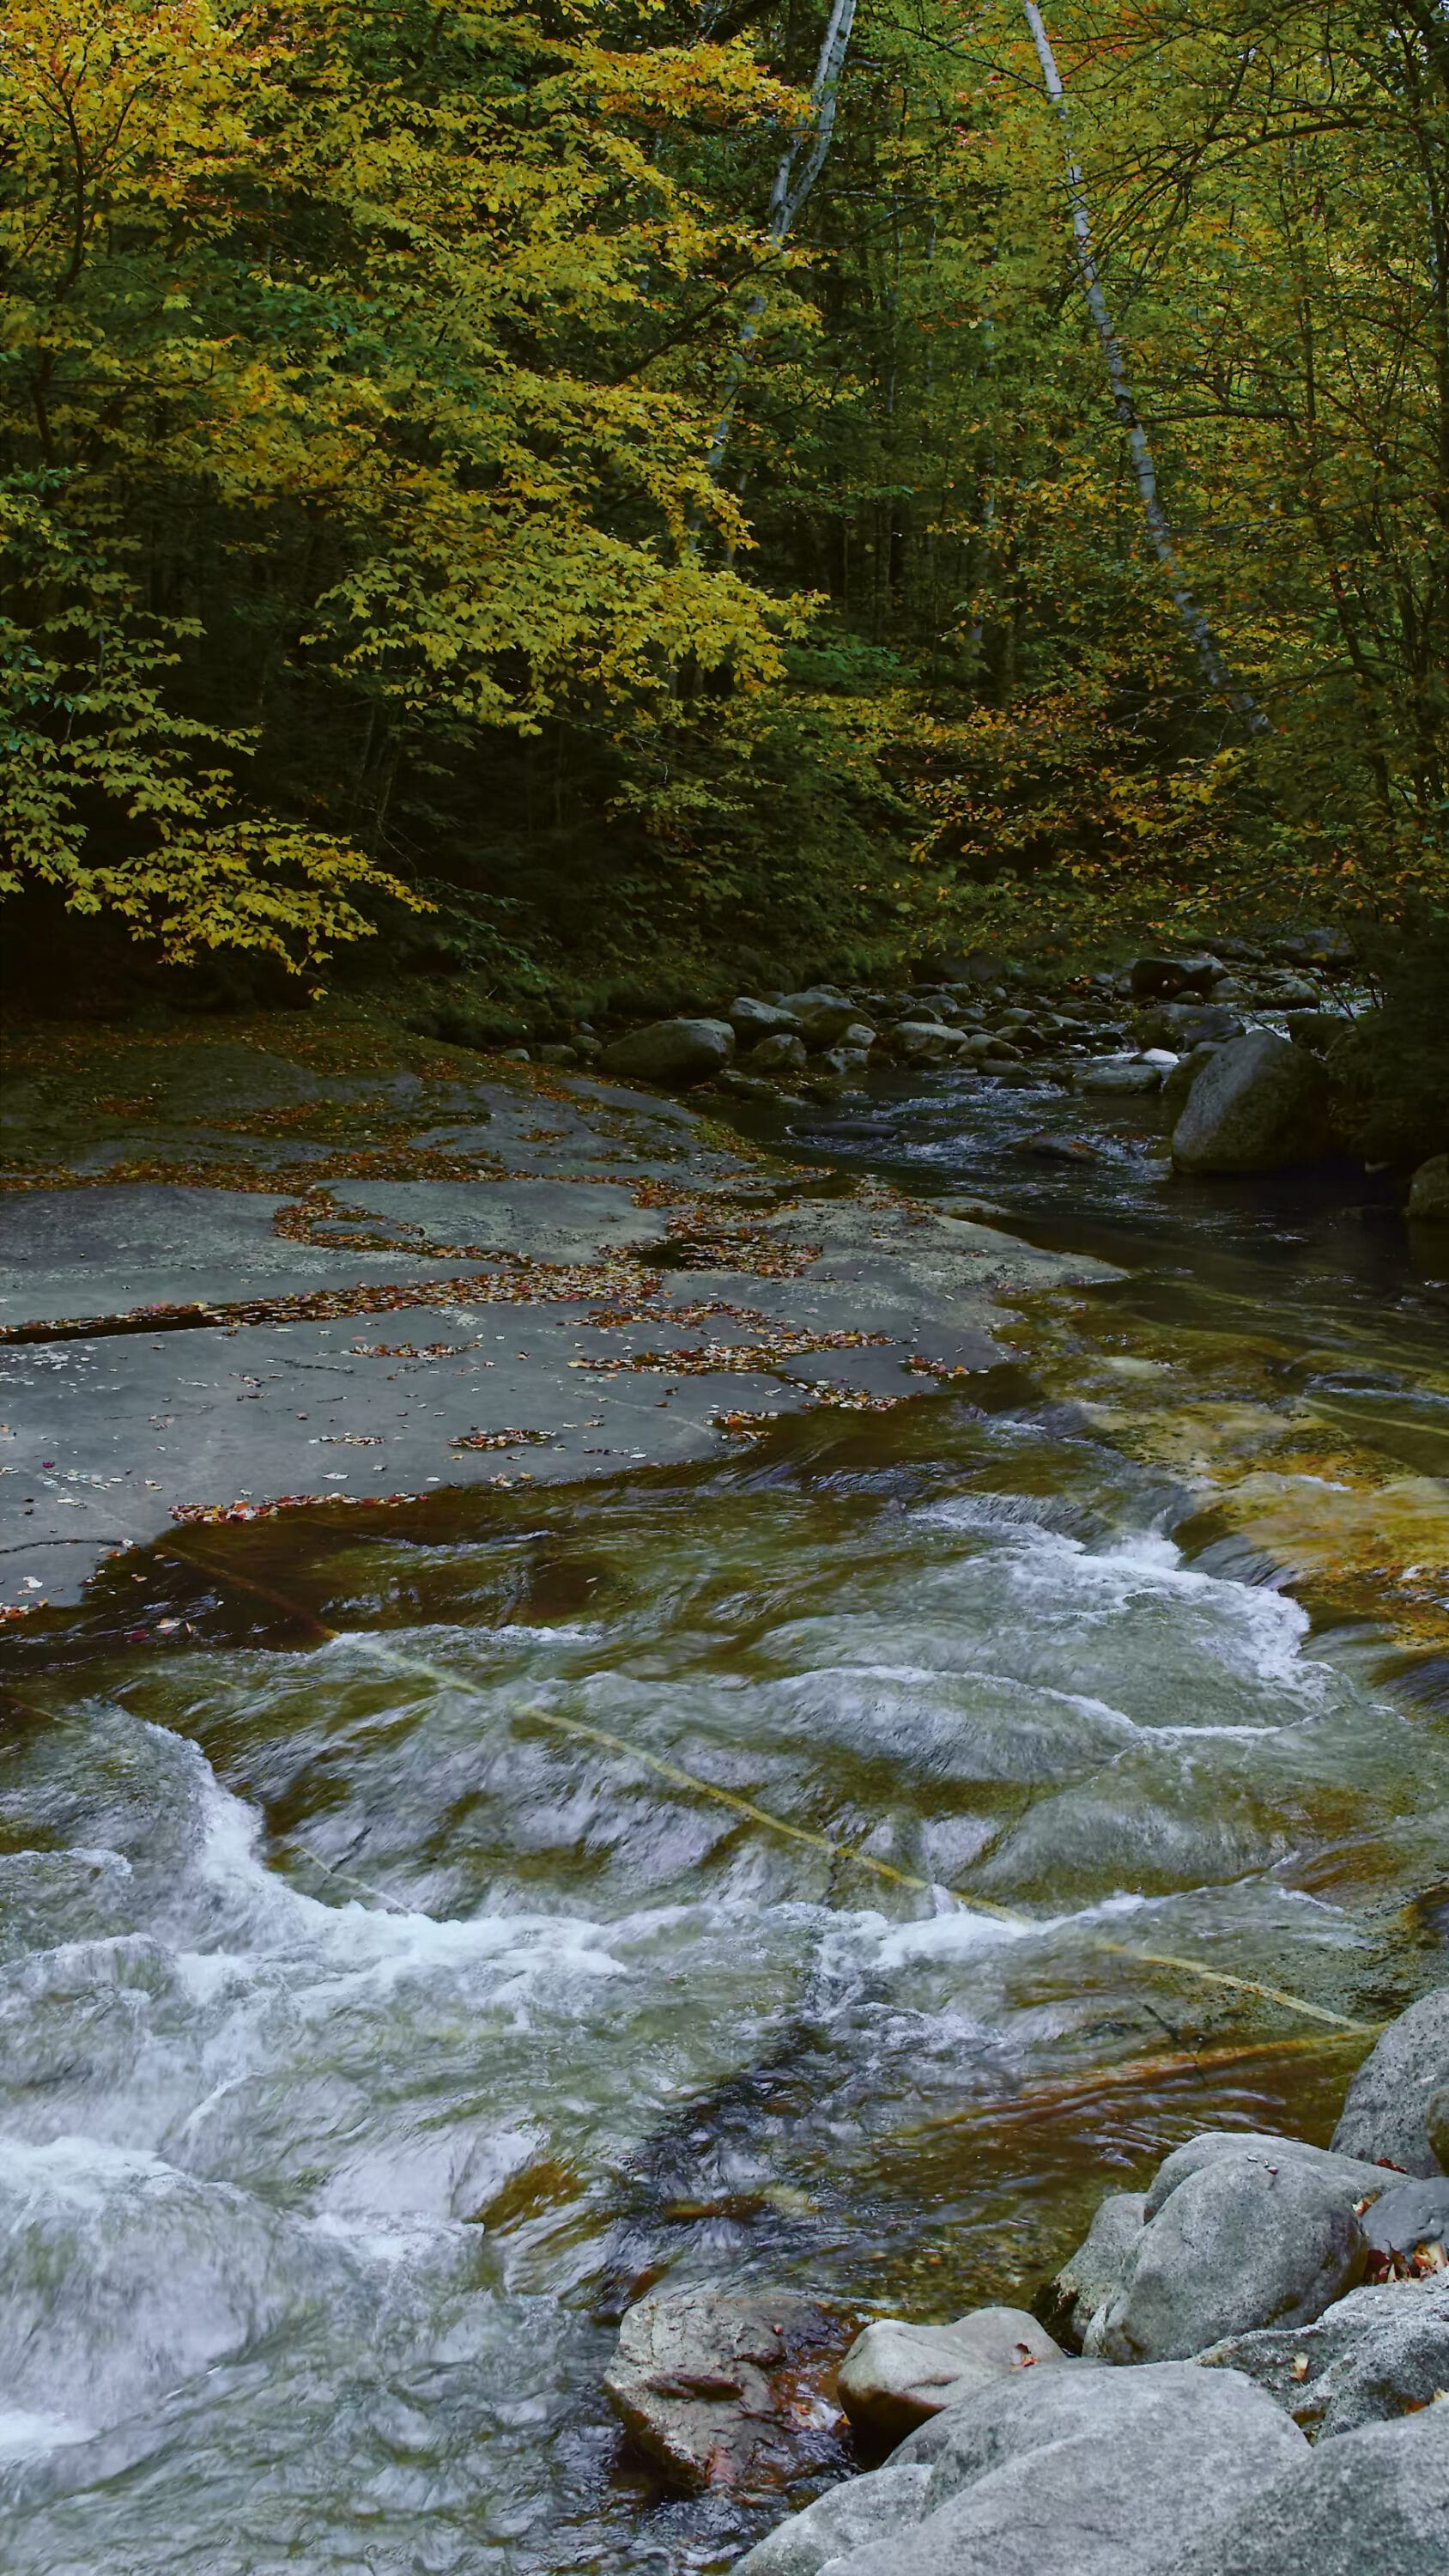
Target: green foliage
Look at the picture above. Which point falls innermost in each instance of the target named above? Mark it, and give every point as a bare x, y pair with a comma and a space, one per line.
358, 553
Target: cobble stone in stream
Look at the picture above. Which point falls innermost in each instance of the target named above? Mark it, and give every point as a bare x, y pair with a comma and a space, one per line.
897, 2375
726, 2391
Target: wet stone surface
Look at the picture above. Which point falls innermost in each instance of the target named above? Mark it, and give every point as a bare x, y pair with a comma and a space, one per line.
361, 1340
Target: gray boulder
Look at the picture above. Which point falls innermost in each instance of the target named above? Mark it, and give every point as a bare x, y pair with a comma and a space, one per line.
827, 1023
1115, 1076
925, 1042
781, 1053
1184, 1025
1163, 978
1386, 2112
1409, 2220
1178, 1083
878, 2507
1089, 2279
752, 1020
896, 2375
720, 2389
1370, 2358
1260, 1105
813, 997
1372, 2503
1353, 2175
1087, 2473
1429, 1192
1257, 2237
672, 1051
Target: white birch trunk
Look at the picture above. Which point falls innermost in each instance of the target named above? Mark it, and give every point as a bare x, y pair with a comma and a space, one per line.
792, 186
1210, 660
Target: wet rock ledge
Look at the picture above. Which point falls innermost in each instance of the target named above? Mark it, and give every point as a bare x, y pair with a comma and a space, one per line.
1243, 2371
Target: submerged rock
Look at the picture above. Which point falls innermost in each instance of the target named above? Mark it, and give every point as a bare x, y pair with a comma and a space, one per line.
725, 2389
1386, 2114
1370, 2503
1246, 2232
1262, 1104
672, 1051
895, 2375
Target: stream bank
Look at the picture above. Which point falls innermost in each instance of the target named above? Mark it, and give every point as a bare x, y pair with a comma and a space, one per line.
431, 1923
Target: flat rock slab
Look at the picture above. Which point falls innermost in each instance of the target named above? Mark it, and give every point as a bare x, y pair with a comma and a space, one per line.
533, 1220
106, 1251
103, 1439
427, 1364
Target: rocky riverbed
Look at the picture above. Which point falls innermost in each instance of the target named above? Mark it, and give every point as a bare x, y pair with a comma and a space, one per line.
1279, 2318
795, 1768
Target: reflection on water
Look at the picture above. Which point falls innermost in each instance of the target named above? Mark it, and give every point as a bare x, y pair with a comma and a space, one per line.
370, 2038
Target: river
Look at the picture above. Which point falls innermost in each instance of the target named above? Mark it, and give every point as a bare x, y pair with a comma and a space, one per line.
371, 2038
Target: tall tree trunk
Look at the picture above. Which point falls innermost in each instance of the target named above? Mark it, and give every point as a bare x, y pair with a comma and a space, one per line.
1159, 530
800, 167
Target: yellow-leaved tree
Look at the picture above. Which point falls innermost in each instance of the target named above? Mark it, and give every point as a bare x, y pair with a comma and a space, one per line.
327, 411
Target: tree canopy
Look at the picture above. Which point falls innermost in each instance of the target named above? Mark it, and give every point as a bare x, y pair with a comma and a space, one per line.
603, 476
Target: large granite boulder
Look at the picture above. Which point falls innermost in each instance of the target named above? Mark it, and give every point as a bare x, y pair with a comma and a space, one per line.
1089, 2279
672, 1052
1386, 2113
1261, 1105
1178, 1083
877, 2507
1241, 2232
1370, 2503
1381, 2353
1076, 2472
896, 2375
724, 2389
1429, 1192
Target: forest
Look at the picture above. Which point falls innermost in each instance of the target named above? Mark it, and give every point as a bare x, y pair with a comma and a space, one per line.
583, 492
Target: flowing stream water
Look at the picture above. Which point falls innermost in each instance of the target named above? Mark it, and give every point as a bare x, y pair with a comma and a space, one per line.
377, 2023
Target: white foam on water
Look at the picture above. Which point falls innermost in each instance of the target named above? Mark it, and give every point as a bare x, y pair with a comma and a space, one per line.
26, 2436
1266, 1626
